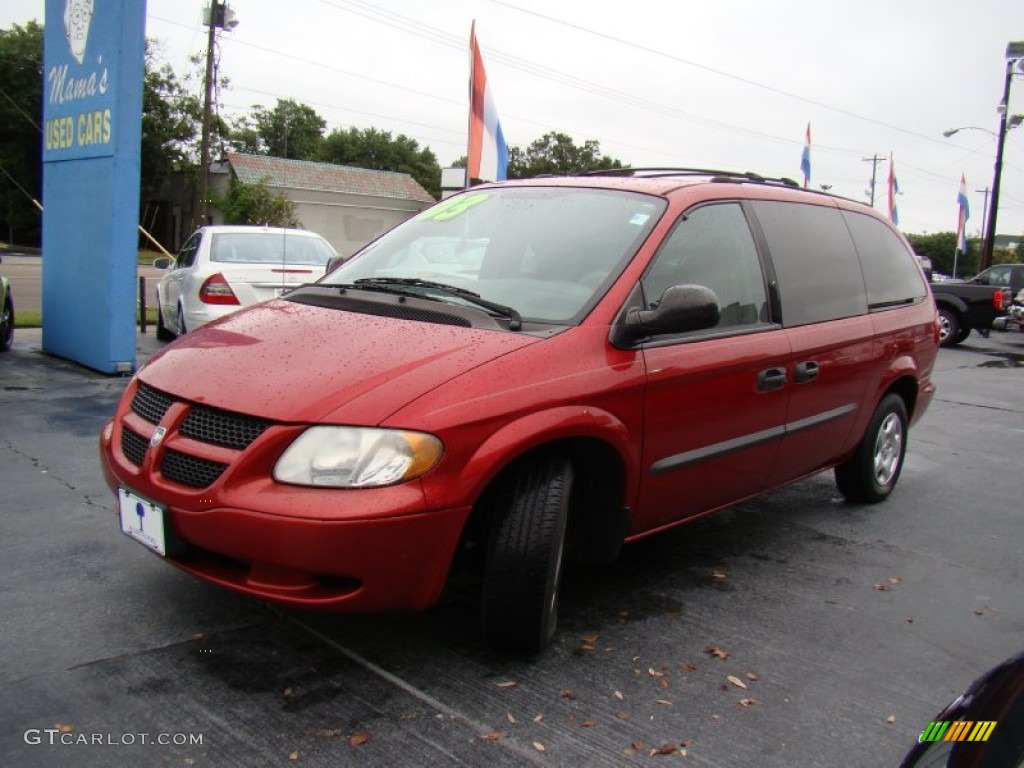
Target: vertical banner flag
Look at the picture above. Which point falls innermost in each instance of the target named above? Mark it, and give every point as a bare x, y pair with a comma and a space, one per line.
894, 189
488, 153
965, 214
805, 158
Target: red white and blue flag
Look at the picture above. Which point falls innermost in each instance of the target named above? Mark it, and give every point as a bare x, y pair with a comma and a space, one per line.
488, 153
894, 189
965, 214
805, 158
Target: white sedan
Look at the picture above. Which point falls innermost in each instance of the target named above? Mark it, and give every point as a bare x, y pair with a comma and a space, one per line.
221, 269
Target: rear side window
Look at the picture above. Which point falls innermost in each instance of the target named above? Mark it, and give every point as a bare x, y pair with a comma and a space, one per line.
890, 274
816, 265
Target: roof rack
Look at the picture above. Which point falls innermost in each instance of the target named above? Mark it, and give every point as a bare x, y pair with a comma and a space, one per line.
716, 175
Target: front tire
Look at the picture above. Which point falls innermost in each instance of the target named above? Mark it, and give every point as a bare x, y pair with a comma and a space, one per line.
525, 553
871, 474
7, 324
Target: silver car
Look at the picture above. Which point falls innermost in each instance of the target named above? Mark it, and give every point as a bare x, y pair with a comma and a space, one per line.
221, 269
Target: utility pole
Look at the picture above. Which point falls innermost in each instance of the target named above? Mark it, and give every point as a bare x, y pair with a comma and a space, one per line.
204, 147
219, 17
984, 211
874, 160
1014, 54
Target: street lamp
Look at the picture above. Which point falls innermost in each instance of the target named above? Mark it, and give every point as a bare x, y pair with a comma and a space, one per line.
1014, 55
217, 16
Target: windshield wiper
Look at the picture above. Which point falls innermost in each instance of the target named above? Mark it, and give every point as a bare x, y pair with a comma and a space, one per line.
515, 320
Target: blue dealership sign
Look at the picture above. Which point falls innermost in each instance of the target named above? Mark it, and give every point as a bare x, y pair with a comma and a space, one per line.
92, 114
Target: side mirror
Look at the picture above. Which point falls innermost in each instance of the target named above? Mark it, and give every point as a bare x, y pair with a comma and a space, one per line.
333, 264
161, 262
682, 308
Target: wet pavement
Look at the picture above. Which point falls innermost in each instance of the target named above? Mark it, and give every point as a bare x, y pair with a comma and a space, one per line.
849, 626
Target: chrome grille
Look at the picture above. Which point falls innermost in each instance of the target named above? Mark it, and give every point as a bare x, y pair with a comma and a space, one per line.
231, 430
189, 470
134, 446
151, 404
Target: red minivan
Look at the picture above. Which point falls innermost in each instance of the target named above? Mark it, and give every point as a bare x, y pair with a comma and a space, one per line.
540, 370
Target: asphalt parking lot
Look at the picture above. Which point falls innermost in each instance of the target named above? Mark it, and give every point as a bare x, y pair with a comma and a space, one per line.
793, 630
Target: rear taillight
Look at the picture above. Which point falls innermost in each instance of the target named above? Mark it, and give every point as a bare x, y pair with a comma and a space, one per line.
1001, 298
215, 290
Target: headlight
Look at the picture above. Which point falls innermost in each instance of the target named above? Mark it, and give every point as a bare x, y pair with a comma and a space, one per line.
354, 457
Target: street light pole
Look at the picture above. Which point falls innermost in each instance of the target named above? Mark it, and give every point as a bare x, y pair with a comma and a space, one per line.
1014, 52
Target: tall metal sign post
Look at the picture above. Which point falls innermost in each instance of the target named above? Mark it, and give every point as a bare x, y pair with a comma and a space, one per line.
92, 109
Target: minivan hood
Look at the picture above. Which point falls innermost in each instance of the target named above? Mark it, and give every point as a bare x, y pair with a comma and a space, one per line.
293, 362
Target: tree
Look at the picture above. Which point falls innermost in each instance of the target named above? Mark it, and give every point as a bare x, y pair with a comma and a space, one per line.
170, 119
290, 130
21, 109
555, 153
939, 248
255, 204
377, 150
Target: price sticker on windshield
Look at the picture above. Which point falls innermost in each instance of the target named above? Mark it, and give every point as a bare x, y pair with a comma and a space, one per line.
452, 207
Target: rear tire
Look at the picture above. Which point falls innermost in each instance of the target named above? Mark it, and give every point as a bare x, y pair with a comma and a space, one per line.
525, 554
181, 330
162, 332
871, 474
949, 328
7, 324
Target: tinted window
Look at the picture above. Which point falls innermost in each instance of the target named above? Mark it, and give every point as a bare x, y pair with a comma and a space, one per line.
712, 246
890, 274
815, 262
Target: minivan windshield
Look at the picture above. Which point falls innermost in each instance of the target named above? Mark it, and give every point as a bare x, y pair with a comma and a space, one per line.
546, 252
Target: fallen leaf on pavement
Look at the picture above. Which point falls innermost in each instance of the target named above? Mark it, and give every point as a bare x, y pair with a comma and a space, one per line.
539, 747
358, 739
736, 681
891, 719
749, 702
718, 653
492, 736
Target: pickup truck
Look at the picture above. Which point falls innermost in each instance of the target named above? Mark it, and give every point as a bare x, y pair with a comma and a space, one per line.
967, 306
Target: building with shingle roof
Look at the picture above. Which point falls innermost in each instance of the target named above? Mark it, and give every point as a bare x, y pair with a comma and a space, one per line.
348, 206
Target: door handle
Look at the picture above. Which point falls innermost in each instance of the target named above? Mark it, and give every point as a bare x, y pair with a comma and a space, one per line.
806, 371
771, 379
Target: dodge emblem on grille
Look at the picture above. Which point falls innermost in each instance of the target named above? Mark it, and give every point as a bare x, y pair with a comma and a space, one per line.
157, 437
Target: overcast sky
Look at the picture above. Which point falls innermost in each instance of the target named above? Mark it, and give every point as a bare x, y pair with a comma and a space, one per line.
725, 84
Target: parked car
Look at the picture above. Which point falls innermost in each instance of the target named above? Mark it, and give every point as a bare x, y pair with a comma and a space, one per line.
529, 373
6, 315
1002, 276
223, 268
967, 306
982, 728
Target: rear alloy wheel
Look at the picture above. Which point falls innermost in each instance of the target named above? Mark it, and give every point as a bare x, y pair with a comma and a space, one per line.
7, 324
871, 474
949, 328
525, 552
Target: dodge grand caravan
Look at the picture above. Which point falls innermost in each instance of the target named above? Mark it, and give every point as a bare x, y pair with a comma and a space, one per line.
536, 371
